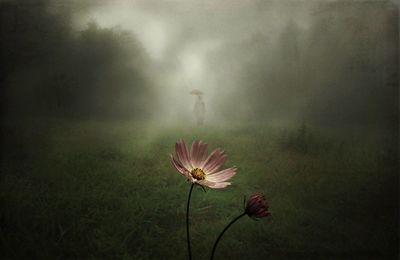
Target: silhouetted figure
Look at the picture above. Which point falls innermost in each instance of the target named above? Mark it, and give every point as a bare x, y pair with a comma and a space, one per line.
199, 110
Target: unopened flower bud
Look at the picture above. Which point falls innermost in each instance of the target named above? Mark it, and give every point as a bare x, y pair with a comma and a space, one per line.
257, 206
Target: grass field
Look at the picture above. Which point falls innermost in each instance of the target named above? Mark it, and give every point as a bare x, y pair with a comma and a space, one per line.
107, 190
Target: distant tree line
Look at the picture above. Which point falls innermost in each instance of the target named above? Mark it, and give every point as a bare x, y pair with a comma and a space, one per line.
50, 69
343, 69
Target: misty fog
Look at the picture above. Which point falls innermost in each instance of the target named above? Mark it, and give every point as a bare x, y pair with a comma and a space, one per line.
326, 62
302, 95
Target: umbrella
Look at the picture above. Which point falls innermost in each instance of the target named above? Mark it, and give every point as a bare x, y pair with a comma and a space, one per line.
196, 92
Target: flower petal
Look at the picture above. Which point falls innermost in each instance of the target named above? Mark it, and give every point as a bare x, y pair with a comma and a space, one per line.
203, 153
183, 155
214, 185
194, 151
214, 166
214, 161
178, 166
221, 176
198, 153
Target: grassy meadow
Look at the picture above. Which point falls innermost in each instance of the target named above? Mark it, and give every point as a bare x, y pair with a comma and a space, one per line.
107, 190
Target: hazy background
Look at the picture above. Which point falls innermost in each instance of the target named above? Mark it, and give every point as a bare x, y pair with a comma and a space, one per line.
302, 96
329, 62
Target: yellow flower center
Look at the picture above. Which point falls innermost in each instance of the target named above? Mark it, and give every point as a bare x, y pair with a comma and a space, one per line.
198, 174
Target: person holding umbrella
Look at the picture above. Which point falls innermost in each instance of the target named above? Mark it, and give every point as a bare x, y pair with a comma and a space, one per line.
199, 107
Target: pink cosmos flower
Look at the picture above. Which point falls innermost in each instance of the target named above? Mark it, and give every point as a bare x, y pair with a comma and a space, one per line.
257, 206
199, 167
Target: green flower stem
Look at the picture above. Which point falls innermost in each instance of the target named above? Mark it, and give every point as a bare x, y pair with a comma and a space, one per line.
222, 233
187, 222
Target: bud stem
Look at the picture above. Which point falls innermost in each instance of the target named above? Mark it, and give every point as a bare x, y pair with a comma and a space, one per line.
222, 233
